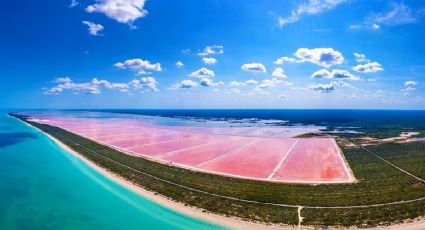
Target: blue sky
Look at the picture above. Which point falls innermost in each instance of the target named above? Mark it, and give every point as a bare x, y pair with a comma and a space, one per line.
212, 54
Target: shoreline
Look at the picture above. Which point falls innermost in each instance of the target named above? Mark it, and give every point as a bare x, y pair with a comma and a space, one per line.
229, 222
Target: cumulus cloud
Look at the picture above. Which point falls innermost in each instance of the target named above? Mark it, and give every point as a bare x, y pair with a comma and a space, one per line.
330, 87
123, 11
207, 82
245, 83
334, 74
212, 50
312, 7
410, 83
321, 74
370, 67
185, 84
284, 59
95, 86
325, 57
139, 65
179, 64
361, 58
365, 65
93, 28
254, 67
279, 73
202, 73
145, 84
209, 60
323, 88
343, 74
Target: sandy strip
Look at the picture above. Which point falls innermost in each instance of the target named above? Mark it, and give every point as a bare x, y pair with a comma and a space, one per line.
230, 222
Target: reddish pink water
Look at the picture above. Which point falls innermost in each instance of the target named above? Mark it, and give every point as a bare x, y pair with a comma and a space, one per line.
204, 153
230, 151
313, 159
256, 160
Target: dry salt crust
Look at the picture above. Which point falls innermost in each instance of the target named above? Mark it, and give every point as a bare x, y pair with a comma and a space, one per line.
249, 153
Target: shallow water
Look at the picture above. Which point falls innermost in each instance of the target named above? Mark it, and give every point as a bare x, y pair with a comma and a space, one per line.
43, 187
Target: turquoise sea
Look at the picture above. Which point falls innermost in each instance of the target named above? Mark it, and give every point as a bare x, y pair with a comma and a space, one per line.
43, 187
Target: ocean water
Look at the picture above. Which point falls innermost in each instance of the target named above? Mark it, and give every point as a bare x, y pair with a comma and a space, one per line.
43, 187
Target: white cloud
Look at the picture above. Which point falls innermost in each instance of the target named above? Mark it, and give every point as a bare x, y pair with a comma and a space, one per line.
185, 84
62, 80
207, 82
251, 82
212, 50
361, 58
325, 57
95, 85
73, 3
268, 83
284, 59
375, 26
410, 83
343, 74
334, 74
370, 67
408, 89
93, 28
398, 15
202, 73
240, 84
209, 60
366, 66
365, 26
123, 11
340, 83
141, 66
145, 84
237, 84
320, 74
356, 27
323, 88
279, 73
312, 7
254, 67
179, 64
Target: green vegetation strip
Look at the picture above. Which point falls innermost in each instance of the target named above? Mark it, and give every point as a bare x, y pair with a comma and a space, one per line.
251, 199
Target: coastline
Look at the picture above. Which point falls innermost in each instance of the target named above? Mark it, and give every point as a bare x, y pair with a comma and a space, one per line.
229, 222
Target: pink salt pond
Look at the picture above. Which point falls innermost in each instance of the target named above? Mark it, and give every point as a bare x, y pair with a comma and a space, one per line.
225, 151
